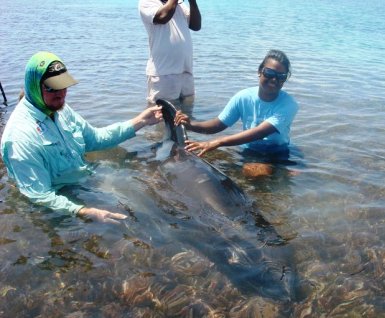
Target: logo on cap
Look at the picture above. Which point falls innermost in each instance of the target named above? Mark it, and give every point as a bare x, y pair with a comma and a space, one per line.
56, 67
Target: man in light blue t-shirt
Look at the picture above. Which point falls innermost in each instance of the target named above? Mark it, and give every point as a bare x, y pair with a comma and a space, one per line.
265, 111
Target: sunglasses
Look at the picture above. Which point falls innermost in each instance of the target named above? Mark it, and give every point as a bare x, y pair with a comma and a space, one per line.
270, 73
179, 1
50, 89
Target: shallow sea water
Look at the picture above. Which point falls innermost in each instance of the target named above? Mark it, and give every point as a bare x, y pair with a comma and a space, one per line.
328, 206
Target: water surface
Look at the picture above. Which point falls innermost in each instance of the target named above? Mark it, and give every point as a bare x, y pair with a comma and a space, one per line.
328, 206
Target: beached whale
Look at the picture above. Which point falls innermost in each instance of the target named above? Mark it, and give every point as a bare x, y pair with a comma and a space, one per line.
194, 176
219, 219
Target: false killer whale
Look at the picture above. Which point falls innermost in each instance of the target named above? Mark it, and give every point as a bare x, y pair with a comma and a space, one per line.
221, 222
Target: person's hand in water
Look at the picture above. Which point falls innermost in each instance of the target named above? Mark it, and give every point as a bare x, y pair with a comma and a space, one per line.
103, 216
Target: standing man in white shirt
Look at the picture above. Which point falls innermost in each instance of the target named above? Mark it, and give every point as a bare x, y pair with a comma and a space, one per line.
170, 65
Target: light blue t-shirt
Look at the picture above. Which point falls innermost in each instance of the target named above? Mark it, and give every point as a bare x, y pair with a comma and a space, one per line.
247, 106
43, 155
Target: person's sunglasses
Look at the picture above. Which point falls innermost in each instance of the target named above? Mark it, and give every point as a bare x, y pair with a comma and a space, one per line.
269, 73
50, 89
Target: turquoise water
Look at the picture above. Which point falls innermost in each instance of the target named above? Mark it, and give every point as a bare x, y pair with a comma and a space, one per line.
329, 207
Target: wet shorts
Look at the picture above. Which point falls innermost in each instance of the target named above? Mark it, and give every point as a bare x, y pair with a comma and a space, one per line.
170, 87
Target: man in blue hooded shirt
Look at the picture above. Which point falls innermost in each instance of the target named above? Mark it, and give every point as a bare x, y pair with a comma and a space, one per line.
44, 141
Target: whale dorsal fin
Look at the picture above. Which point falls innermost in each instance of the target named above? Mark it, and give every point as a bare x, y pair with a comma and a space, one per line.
177, 133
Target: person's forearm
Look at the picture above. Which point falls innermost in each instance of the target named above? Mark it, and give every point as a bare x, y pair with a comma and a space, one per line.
166, 12
138, 123
109, 136
51, 200
149, 116
206, 127
195, 16
233, 140
246, 136
203, 128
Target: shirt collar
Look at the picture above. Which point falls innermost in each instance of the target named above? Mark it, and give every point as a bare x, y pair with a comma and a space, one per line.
34, 111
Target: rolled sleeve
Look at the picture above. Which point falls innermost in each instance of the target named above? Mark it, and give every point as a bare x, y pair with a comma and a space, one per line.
148, 9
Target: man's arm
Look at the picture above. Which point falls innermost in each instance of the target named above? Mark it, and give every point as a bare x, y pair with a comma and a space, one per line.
34, 181
114, 134
195, 16
165, 12
27, 168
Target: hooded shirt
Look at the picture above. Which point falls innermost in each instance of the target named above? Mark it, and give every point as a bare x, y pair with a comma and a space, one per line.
43, 154
34, 72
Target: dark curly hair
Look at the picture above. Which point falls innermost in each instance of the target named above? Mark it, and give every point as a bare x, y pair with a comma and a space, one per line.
280, 57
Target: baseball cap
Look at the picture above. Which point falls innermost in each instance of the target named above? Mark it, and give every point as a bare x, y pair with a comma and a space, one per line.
57, 77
